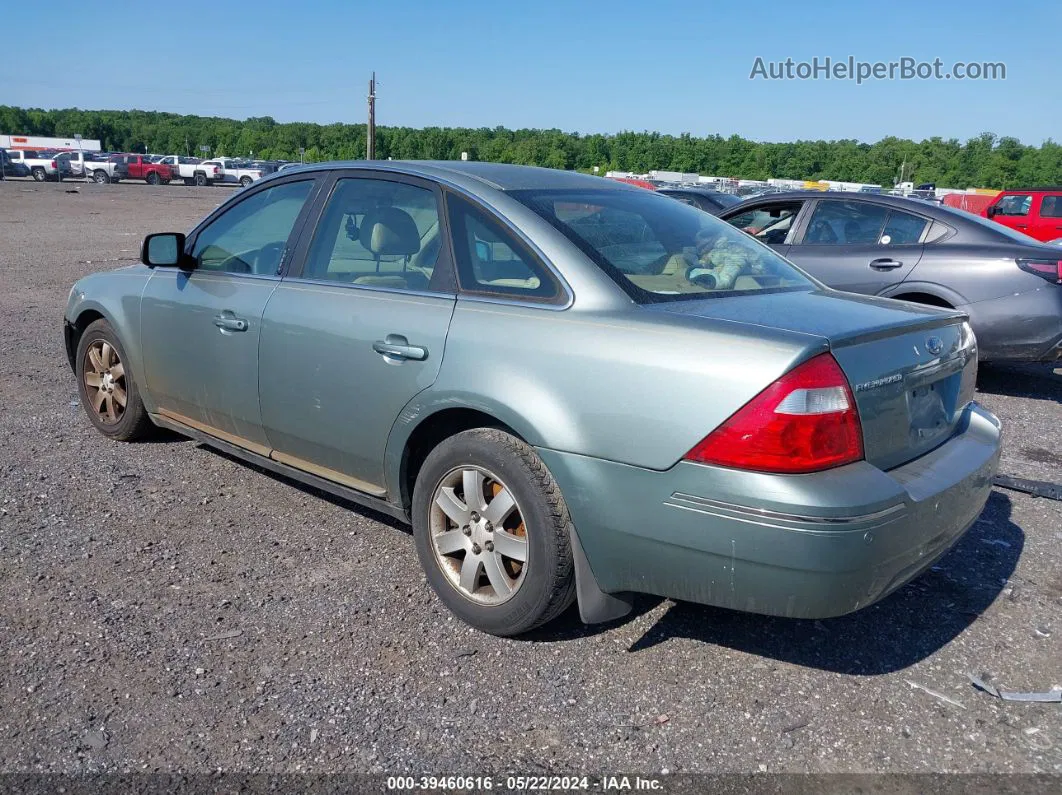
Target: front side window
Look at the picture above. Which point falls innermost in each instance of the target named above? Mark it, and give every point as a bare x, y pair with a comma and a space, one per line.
251, 236
657, 249
1051, 207
490, 260
377, 233
1015, 204
768, 223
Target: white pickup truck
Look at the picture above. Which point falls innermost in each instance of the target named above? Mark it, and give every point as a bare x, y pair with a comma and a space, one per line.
191, 169
42, 164
93, 166
233, 172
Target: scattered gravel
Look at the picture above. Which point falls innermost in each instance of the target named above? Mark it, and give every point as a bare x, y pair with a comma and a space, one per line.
164, 607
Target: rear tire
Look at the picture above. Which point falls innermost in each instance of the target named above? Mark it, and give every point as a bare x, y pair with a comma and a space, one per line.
246, 181
200, 180
39, 175
511, 570
101, 177
104, 380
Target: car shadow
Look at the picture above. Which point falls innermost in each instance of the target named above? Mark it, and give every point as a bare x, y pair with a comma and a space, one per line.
313, 491
893, 634
1036, 381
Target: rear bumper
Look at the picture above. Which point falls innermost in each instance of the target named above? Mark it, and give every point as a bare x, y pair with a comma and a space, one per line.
1022, 327
807, 546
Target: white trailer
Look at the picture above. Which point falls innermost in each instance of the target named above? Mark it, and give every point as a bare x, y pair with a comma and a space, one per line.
41, 142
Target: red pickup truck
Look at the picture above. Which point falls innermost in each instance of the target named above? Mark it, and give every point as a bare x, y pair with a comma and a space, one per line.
1035, 211
141, 167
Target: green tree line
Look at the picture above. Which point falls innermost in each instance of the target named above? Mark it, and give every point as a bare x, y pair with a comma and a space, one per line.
985, 161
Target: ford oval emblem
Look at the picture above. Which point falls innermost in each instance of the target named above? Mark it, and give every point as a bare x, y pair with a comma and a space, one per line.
934, 345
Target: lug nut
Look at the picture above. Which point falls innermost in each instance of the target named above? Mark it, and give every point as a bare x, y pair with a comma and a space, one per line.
476, 549
489, 527
466, 530
490, 546
475, 516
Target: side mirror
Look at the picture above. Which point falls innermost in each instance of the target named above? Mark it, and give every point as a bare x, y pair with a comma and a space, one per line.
165, 250
993, 211
484, 253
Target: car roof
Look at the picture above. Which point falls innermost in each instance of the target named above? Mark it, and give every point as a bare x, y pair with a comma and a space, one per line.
899, 202
702, 190
500, 176
1051, 188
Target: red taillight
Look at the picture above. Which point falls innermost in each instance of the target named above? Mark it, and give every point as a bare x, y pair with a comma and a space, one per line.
806, 421
54, 164
1044, 268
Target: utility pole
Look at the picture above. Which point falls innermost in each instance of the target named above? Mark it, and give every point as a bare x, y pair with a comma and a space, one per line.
370, 141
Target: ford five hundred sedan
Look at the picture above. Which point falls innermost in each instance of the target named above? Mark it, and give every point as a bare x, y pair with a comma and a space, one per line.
573, 389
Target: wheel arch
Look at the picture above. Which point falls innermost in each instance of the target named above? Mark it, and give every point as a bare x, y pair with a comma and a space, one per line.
73, 331
413, 438
925, 293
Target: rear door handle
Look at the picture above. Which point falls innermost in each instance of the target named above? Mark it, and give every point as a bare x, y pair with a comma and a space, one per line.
397, 348
229, 322
885, 264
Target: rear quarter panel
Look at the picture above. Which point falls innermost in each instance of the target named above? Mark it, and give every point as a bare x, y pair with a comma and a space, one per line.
633, 386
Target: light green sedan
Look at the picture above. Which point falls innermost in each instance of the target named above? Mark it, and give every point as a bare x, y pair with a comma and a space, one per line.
574, 389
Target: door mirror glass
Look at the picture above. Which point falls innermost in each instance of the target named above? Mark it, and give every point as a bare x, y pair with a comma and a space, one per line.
992, 211
483, 251
162, 250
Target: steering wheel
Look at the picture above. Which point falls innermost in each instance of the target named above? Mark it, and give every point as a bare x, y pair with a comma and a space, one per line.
702, 279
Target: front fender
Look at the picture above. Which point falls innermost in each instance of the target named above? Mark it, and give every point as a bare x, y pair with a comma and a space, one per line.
115, 296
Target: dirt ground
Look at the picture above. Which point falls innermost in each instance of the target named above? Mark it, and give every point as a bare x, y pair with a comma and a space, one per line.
166, 608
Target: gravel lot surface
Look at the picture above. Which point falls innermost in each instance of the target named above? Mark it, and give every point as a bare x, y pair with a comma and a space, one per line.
166, 608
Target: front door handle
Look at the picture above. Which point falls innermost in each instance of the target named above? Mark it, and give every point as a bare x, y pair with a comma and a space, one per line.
227, 321
885, 264
397, 348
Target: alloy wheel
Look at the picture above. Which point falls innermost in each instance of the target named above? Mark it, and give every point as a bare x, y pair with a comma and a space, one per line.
105, 382
478, 535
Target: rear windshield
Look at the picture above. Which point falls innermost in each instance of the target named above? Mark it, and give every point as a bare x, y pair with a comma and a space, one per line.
658, 249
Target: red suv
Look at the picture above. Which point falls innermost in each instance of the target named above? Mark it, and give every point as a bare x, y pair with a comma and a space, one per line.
1035, 211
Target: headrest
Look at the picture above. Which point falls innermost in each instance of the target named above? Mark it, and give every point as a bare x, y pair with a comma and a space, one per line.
388, 230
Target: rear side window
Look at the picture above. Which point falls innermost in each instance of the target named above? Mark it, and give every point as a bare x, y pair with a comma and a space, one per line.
1051, 207
902, 228
490, 260
377, 233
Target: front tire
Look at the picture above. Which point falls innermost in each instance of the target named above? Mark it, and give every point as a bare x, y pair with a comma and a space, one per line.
101, 177
491, 530
153, 178
107, 388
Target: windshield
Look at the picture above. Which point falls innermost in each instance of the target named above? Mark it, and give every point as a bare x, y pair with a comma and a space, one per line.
657, 249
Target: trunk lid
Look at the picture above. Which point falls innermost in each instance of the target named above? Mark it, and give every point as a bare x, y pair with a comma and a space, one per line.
911, 368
